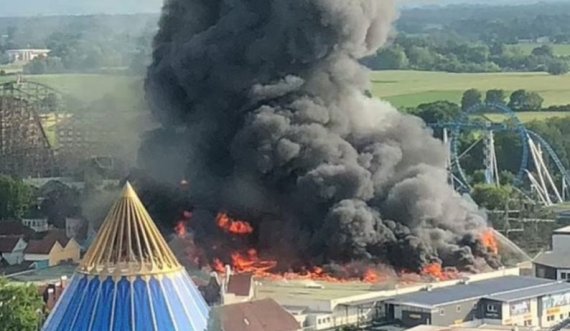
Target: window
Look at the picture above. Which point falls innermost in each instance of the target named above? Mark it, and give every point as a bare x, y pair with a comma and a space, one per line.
550, 318
458, 308
442, 312
564, 275
528, 323
561, 316
492, 308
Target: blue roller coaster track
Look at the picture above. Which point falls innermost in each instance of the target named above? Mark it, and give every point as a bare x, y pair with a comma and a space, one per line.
466, 122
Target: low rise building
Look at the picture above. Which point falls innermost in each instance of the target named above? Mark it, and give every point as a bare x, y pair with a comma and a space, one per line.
512, 300
259, 315
52, 250
12, 249
238, 288
24, 56
555, 264
36, 224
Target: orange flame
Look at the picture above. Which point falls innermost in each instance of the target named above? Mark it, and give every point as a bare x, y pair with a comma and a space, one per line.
490, 241
435, 270
180, 229
371, 276
233, 226
251, 263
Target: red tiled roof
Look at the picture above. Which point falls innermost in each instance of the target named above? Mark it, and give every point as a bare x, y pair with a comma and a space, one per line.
39, 247
240, 284
14, 228
8, 243
58, 235
260, 315
45, 245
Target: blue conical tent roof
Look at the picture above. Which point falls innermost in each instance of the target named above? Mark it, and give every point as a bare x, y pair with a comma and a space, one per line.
129, 280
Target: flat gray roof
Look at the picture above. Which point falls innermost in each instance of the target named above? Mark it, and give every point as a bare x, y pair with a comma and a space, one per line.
553, 288
471, 291
563, 230
553, 259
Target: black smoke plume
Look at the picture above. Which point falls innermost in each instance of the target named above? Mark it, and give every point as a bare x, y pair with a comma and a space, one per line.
264, 111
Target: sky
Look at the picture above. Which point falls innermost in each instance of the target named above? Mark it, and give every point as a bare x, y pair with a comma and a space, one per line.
79, 7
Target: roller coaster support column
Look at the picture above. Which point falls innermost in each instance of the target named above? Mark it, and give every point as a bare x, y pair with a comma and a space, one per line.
543, 173
491, 168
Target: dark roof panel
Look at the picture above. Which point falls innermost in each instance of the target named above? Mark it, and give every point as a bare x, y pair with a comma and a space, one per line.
470, 291
8, 243
240, 284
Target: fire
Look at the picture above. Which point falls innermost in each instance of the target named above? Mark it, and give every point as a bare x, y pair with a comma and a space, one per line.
180, 228
435, 270
371, 276
233, 226
250, 262
490, 241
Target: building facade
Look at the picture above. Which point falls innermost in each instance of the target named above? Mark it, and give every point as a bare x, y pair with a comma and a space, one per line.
554, 264
26, 55
12, 249
36, 224
513, 301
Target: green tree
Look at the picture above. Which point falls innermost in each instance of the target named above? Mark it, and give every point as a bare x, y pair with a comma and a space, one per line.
15, 197
20, 307
4, 58
37, 66
491, 197
436, 112
521, 100
544, 50
558, 67
495, 96
389, 58
470, 98
421, 57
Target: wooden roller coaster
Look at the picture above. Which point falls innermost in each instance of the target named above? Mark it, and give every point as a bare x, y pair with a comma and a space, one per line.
39, 135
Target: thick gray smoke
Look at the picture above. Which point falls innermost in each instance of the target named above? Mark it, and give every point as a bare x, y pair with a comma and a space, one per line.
264, 111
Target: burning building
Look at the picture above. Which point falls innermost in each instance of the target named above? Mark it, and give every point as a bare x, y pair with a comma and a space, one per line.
292, 168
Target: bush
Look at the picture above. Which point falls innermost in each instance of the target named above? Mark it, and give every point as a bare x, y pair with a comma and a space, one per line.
558, 67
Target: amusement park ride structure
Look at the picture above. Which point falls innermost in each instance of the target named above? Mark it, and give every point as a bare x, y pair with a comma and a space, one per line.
39, 134
538, 159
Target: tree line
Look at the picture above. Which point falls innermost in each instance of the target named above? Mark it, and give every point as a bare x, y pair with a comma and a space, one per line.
81, 43
448, 53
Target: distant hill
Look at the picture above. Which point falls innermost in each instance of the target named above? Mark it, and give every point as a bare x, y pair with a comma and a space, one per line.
77, 7
416, 3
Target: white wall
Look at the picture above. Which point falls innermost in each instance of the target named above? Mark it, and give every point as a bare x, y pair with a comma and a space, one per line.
520, 319
561, 242
17, 255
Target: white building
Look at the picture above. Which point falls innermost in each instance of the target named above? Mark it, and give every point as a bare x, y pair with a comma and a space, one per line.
26, 55
12, 249
36, 224
555, 264
74, 227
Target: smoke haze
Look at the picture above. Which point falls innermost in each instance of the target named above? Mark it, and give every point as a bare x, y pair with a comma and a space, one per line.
264, 110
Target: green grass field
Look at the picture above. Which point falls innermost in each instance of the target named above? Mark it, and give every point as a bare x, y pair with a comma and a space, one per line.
411, 88
402, 88
559, 49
